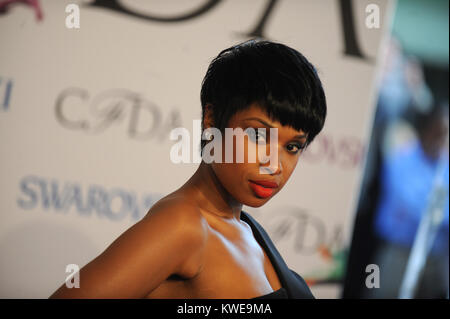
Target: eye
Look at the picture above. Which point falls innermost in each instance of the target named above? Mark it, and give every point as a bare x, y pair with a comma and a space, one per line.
294, 148
257, 135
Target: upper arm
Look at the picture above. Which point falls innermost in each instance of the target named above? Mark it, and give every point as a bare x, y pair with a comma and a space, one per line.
141, 258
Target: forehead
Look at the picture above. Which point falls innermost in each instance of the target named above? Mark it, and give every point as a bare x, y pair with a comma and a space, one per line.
256, 115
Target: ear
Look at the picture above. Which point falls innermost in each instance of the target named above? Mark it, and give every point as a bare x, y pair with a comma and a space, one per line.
208, 120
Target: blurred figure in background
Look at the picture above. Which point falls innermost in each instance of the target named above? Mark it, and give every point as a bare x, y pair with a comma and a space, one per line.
401, 221
409, 168
401, 91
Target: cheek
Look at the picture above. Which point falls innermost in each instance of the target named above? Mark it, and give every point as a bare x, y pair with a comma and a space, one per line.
243, 152
232, 177
222, 172
289, 167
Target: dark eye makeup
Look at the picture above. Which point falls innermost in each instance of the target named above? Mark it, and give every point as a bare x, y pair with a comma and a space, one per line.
256, 135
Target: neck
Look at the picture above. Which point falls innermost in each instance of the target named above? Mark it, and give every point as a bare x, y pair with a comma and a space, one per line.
210, 194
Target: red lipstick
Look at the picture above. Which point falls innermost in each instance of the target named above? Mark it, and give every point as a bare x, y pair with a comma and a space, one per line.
263, 189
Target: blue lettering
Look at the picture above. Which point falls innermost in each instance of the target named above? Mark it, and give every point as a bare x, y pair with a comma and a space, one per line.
135, 213
115, 204
56, 199
74, 197
117, 193
44, 194
98, 200
25, 187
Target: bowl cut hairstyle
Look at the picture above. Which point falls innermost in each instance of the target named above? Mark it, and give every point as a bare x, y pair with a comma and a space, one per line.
276, 77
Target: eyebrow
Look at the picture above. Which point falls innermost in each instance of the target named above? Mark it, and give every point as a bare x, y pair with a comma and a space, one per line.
267, 124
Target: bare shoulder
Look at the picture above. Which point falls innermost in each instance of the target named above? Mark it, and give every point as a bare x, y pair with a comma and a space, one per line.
181, 219
168, 240
176, 212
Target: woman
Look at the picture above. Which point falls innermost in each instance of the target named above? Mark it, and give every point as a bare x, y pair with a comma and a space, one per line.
197, 242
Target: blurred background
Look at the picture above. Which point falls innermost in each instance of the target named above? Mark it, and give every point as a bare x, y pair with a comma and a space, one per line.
402, 216
90, 90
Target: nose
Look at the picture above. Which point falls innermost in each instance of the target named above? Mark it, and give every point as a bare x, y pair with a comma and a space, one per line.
274, 167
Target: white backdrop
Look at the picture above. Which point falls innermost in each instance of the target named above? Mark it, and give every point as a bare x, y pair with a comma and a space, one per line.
85, 116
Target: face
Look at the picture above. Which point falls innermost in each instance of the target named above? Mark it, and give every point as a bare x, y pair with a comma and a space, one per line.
254, 183
435, 137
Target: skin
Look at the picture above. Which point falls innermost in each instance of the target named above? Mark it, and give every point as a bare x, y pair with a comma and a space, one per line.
434, 137
192, 243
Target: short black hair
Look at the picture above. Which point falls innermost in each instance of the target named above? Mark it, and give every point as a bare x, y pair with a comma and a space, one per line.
276, 77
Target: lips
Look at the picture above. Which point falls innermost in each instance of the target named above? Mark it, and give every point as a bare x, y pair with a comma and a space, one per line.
263, 189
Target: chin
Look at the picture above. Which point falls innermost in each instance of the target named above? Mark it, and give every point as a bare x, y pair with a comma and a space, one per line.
256, 202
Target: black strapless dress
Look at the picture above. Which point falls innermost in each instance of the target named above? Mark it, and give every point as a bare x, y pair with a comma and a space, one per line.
293, 285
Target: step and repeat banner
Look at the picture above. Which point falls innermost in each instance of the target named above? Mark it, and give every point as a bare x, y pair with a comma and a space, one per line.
90, 90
